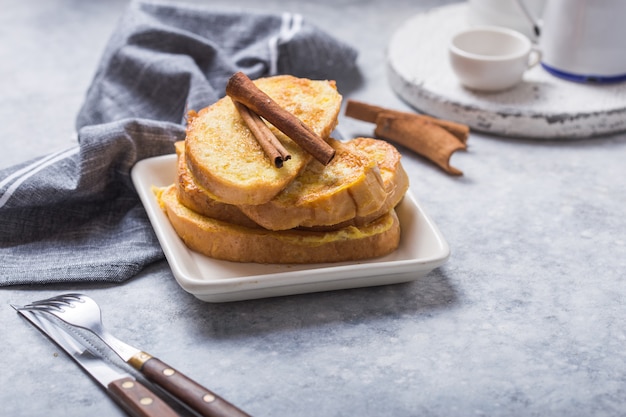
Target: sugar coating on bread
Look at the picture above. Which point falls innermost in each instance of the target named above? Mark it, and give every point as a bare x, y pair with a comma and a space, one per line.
394, 177
226, 159
364, 181
349, 186
222, 240
201, 200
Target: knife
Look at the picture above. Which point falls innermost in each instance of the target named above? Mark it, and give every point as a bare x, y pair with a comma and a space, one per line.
135, 398
81, 311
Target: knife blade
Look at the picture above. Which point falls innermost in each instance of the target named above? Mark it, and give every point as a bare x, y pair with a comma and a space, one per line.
134, 397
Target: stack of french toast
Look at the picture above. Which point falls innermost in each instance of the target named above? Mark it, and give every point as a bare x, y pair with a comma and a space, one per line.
230, 202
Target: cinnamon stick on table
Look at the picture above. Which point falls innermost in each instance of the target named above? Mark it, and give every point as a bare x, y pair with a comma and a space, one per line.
269, 143
421, 136
368, 113
241, 89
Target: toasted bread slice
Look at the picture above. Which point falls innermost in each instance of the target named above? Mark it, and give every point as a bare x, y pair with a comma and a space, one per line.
395, 178
363, 182
226, 241
201, 200
349, 186
226, 159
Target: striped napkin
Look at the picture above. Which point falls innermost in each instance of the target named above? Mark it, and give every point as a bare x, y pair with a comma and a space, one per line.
74, 216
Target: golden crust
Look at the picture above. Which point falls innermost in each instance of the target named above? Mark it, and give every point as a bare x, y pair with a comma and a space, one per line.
226, 241
350, 186
201, 200
229, 201
364, 181
395, 178
225, 158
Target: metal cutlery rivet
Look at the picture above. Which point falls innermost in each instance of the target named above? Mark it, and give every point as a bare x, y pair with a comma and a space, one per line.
146, 401
208, 398
128, 384
168, 372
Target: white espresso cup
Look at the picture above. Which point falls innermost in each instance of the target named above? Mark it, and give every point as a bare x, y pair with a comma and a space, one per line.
490, 58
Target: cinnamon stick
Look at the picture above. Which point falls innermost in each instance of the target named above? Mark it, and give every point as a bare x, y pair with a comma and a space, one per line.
368, 113
421, 136
241, 89
264, 136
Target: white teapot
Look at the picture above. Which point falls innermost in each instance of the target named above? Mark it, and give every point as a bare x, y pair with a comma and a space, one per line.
582, 40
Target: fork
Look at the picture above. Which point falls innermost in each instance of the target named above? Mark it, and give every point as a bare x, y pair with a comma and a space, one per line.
81, 311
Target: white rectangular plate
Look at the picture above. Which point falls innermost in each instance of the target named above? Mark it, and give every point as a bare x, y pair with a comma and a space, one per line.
422, 248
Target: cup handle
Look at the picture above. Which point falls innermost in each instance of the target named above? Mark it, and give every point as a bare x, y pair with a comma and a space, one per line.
534, 57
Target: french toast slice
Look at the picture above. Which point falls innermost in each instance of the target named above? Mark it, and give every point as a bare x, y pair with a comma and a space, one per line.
346, 192
349, 186
224, 156
201, 200
394, 177
226, 241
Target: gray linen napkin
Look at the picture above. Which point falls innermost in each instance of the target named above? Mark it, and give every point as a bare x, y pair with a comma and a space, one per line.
74, 215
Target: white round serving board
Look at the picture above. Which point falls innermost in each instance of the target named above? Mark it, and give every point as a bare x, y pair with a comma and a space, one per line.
541, 107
